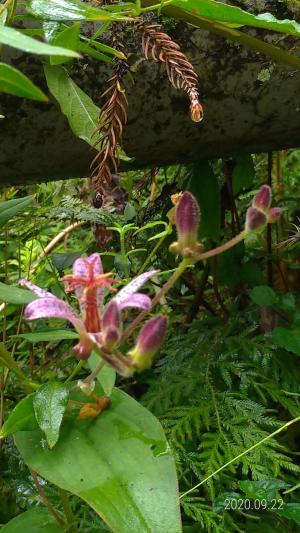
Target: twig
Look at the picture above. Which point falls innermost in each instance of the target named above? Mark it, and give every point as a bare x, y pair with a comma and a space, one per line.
45, 499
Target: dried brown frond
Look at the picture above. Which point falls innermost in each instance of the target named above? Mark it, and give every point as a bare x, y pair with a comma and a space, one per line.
112, 119
181, 73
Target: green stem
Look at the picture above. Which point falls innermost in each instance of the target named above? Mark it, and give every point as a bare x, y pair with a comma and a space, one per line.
220, 249
95, 372
185, 263
152, 253
71, 521
77, 368
241, 455
123, 255
159, 6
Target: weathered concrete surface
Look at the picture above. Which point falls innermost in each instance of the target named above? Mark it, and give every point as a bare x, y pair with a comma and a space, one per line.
251, 104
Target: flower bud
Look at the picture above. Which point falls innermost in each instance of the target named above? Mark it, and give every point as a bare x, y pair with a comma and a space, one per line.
274, 214
111, 326
83, 350
263, 198
149, 342
187, 220
255, 219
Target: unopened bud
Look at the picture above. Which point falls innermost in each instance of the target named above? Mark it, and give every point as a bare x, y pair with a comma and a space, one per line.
187, 222
111, 326
83, 350
149, 342
263, 198
274, 214
255, 219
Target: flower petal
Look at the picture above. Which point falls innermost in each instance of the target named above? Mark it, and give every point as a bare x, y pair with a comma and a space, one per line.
53, 308
37, 290
133, 286
82, 268
138, 300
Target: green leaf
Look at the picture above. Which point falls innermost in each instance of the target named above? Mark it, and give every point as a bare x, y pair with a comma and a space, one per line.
204, 186
18, 40
86, 49
263, 295
222, 500
287, 338
291, 511
7, 360
243, 173
12, 81
235, 16
49, 335
107, 375
68, 38
49, 404
22, 418
287, 302
62, 261
78, 107
14, 295
230, 265
68, 10
10, 208
37, 520
264, 489
224, 29
119, 463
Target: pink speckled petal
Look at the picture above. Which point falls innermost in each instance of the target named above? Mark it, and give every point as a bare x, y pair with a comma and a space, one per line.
81, 270
80, 266
37, 290
53, 308
133, 286
139, 300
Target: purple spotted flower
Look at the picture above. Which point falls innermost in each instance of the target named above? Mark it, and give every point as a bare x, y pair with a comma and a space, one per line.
97, 326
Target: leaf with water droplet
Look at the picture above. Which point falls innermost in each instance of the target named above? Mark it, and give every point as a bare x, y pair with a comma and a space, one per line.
49, 405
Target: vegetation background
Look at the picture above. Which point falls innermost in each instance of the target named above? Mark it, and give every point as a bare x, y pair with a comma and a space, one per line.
228, 373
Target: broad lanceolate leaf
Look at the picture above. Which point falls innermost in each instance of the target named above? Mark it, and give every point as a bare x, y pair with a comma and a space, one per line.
19, 40
49, 404
37, 520
235, 16
12, 81
119, 463
68, 10
78, 107
68, 38
22, 418
54, 335
10, 208
14, 295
